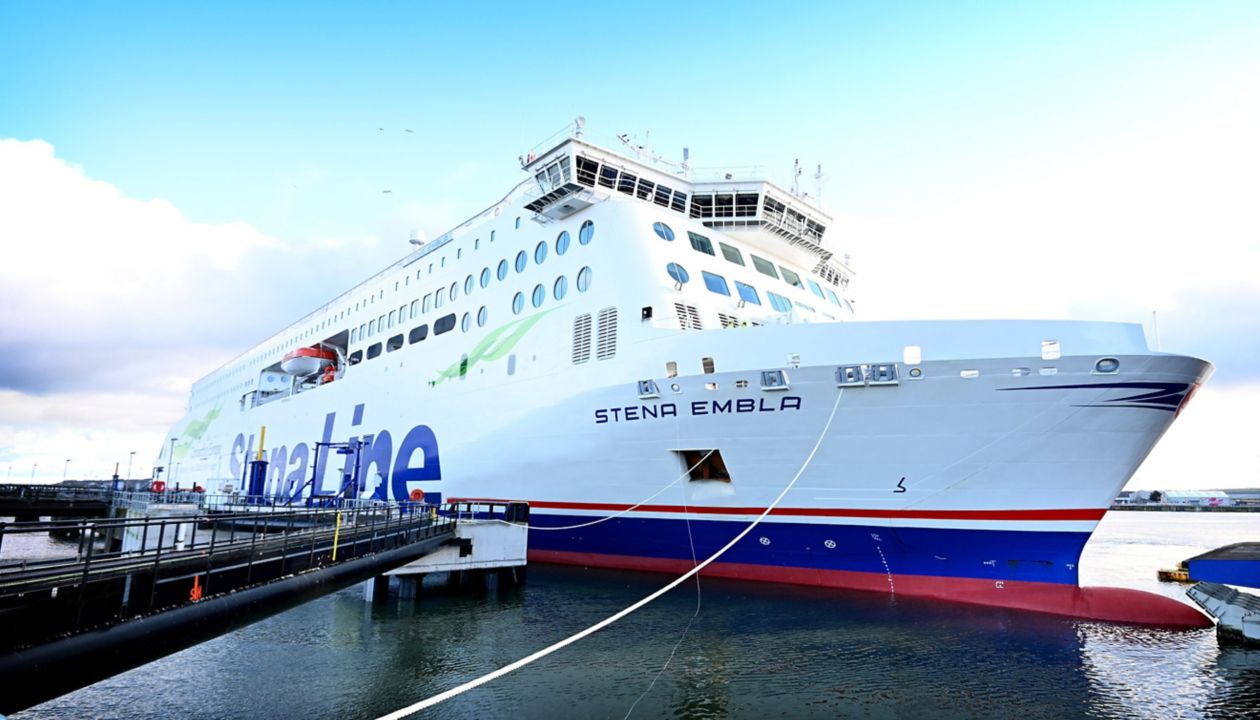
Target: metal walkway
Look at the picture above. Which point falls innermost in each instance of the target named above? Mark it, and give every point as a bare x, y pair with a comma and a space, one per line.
180, 580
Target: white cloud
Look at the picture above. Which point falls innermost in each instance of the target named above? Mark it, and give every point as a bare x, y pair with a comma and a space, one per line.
110, 307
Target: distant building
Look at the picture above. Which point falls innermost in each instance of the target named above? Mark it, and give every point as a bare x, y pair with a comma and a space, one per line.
1244, 496
1206, 498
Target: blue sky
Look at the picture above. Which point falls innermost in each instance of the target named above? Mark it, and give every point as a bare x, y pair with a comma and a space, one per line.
1109, 147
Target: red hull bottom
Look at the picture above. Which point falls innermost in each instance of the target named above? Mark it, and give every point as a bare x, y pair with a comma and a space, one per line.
1106, 604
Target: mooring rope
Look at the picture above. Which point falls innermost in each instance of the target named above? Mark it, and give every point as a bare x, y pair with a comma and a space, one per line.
478, 682
641, 503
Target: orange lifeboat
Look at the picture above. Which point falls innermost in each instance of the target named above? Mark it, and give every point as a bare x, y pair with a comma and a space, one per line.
307, 360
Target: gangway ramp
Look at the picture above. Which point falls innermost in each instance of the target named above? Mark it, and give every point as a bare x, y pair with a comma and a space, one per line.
70, 622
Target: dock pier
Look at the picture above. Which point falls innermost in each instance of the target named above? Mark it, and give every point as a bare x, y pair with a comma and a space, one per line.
158, 574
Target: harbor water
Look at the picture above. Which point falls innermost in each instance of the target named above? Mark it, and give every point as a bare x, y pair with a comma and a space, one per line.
724, 649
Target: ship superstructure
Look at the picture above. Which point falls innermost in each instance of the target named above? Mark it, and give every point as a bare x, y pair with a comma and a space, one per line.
649, 357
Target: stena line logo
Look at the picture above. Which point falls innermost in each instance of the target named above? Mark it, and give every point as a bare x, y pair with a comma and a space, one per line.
386, 465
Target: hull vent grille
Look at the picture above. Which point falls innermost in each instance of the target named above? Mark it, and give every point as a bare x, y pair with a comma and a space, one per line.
607, 344
581, 339
688, 317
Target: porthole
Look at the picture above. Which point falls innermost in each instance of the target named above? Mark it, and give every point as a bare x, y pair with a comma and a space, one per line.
518, 303
562, 242
465, 322
677, 272
584, 279
468, 285
503, 268
521, 260
540, 293
561, 287
485, 277
482, 314
540, 253
586, 233
664, 231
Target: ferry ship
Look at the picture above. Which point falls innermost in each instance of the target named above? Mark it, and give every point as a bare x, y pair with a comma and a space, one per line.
650, 356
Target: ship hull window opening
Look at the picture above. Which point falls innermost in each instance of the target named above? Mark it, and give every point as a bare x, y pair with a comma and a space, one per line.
678, 273
731, 254
664, 231
503, 269
705, 465
586, 233
417, 334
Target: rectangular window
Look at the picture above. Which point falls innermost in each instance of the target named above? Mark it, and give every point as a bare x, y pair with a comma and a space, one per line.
418, 333
778, 302
765, 267
748, 293
363, 331
645, 190
832, 297
428, 300
437, 299
731, 254
715, 283
701, 243
392, 313
415, 309
394, 343
791, 278
813, 287
607, 176
371, 328
662, 196
443, 324
803, 306
354, 334
678, 202
374, 350
627, 183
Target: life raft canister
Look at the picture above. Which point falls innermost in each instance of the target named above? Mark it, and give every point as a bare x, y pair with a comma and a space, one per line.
417, 495
158, 486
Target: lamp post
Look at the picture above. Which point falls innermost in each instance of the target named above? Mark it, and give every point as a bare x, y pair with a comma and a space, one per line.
65, 469
170, 460
130, 460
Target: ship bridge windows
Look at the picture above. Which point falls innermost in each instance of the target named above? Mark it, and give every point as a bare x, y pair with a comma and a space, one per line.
700, 243
763, 266
587, 171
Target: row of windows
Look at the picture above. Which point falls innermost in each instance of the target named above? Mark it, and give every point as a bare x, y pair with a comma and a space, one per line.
558, 290
700, 243
420, 306
218, 385
717, 284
